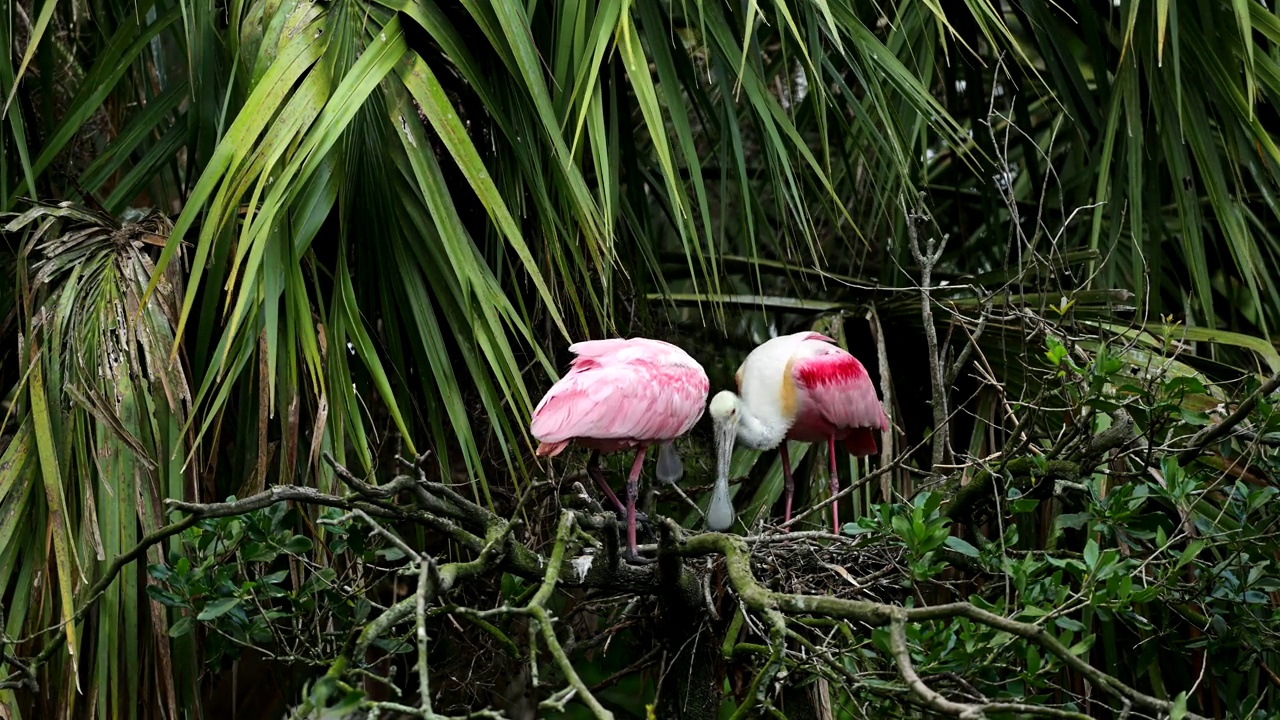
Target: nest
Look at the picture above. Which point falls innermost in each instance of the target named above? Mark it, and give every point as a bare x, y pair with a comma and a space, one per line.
840, 567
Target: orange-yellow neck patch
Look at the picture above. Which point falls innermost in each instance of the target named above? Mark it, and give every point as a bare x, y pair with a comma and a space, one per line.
787, 399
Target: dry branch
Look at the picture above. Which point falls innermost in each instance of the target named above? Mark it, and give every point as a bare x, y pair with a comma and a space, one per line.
874, 614
927, 258
500, 551
1202, 439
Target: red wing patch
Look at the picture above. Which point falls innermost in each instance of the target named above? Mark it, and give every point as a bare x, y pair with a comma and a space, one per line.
830, 369
838, 389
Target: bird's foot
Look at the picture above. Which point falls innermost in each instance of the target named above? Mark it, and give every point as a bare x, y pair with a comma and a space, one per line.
622, 515
633, 557
642, 519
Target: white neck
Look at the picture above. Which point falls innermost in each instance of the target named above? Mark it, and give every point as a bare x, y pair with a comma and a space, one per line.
760, 432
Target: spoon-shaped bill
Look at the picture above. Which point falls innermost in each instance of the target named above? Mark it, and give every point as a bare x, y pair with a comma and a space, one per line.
670, 468
720, 511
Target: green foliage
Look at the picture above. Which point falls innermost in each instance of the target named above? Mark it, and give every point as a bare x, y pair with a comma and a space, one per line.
1141, 549
248, 580
920, 528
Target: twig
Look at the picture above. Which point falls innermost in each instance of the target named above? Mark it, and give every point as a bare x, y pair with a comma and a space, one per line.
27, 676
100, 587
440, 582
852, 487
1202, 439
934, 700
902, 656
1269, 439
799, 535
377, 493
927, 259
425, 567
634, 667
415, 712
757, 694
537, 609
558, 701
886, 394
984, 314
760, 598
543, 622
377, 529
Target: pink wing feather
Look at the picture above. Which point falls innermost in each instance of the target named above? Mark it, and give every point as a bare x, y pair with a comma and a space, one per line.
594, 349
839, 398
619, 394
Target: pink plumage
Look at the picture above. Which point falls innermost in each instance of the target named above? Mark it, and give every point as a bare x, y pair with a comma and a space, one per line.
837, 404
621, 394
838, 398
802, 387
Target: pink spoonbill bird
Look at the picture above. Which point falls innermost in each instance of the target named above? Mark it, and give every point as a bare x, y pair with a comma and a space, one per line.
619, 395
798, 387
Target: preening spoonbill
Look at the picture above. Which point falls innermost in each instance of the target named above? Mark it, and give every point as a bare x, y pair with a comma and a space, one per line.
618, 395
795, 387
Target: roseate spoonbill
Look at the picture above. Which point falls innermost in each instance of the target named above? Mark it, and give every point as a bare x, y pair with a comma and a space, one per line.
795, 387
622, 394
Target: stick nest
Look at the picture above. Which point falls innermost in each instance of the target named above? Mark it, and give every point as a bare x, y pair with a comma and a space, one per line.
847, 568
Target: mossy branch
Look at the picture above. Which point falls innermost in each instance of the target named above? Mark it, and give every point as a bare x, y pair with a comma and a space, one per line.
874, 614
538, 610
1202, 439
498, 550
1030, 474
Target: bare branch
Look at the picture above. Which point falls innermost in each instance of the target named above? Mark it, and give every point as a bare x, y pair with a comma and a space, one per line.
983, 316
876, 614
1213, 432
426, 571
886, 393
378, 530
928, 258
902, 656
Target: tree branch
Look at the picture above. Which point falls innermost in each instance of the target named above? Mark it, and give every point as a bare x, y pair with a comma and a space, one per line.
1202, 439
927, 258
902, 656
537, 608
759, 598
500, 550
968, 498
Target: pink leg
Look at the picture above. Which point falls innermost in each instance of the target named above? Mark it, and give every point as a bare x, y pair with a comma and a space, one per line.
791, 483
835, 487
633, 489
593, 469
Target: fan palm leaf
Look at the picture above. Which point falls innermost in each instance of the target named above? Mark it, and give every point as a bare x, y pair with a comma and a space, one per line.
103, 405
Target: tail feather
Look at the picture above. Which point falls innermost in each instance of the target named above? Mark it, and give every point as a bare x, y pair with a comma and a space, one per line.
861, 442
551, 449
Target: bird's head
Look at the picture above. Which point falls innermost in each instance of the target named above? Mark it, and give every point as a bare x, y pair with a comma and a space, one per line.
724, 407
